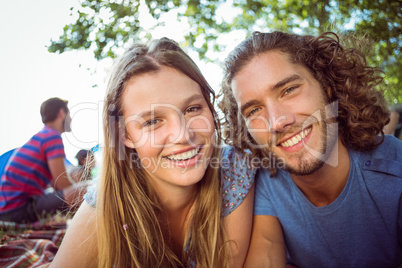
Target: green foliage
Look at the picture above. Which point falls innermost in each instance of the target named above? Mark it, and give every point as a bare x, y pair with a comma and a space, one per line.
105, 26
100, 26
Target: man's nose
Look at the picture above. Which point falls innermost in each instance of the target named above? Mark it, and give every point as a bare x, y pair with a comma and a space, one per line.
280, 117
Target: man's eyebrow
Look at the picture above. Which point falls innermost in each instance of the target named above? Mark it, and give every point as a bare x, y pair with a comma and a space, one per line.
247, 105
275, 87
285, 81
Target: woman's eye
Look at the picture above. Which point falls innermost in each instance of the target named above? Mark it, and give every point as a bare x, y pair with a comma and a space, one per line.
150, 122
193, 109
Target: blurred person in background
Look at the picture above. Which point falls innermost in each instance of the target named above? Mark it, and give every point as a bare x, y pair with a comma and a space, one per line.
394, 127
82, 172
35, 166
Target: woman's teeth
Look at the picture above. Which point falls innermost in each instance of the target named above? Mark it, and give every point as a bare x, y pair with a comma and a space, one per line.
184, 156
296, 139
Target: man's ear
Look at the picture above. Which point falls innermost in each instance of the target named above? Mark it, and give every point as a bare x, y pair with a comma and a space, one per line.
61, 113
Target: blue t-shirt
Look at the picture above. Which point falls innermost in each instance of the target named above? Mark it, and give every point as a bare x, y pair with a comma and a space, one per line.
361, 228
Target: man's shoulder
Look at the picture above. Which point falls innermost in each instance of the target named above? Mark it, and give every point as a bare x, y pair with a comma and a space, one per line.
381, 171
390, 149
391, 145
385, 159
46, 134
46, 130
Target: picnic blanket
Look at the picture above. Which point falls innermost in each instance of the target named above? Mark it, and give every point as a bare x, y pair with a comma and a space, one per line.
34, 247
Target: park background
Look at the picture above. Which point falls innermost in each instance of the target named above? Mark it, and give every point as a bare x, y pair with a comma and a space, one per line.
86, 35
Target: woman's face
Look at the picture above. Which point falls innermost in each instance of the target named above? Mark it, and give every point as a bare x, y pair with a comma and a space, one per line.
169, 124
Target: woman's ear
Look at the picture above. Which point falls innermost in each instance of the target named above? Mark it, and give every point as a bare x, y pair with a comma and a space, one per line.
124, 137
127, 141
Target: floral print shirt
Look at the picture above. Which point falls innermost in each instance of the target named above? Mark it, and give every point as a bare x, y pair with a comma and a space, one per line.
237, 176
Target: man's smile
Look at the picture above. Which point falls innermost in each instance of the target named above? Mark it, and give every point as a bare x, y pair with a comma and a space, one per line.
296, 138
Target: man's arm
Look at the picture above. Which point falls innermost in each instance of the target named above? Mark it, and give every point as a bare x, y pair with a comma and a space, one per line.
58, 171
238, 229
267, 247
79, 247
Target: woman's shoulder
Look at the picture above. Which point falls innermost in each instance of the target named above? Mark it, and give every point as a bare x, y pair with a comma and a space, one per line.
237, 177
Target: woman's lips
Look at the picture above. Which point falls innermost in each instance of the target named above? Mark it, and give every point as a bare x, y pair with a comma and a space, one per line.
185, 159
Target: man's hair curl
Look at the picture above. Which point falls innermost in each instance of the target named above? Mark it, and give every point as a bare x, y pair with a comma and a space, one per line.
342, 72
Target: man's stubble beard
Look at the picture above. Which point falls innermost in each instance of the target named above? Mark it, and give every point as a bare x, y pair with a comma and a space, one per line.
307, 166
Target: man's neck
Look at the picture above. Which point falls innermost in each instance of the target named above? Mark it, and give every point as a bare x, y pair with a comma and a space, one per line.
55, 125
323, 186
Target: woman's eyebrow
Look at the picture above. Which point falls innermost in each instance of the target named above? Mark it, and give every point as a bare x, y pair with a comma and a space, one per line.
192, 98
182, 103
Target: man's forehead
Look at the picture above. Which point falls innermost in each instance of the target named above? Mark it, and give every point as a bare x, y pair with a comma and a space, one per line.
237, 93
256, 74
265, 69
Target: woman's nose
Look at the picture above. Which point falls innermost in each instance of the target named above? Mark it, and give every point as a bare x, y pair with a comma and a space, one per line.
179, 130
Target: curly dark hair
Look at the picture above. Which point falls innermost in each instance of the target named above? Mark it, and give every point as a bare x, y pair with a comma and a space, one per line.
342, 72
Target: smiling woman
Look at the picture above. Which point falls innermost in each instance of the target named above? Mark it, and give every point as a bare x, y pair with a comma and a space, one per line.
175, 133
161, 200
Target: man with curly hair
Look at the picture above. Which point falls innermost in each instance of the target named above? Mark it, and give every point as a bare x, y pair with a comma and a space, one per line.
329, 186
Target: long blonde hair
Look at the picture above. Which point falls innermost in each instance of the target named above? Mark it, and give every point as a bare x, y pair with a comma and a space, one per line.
129, 224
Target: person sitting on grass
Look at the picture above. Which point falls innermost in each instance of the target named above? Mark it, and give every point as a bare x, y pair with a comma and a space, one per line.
35, 166
82, 172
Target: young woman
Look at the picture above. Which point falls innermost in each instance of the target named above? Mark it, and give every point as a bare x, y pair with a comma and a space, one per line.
165, 186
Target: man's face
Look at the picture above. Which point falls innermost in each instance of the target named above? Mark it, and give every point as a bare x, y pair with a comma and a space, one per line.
67, 122
284, 108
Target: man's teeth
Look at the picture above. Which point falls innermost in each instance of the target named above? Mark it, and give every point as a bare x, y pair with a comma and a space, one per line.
296, 139
184, 156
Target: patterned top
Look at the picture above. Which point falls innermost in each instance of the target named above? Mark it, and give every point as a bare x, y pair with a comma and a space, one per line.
27, 172
237, 177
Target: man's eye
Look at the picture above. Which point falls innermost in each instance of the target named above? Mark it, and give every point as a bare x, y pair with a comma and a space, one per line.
150, 122
289, 90
253, 111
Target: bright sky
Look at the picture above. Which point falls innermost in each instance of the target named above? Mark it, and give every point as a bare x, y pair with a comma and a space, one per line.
29, 74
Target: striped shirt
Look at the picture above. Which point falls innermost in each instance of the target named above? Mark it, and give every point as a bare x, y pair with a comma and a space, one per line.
27, 172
